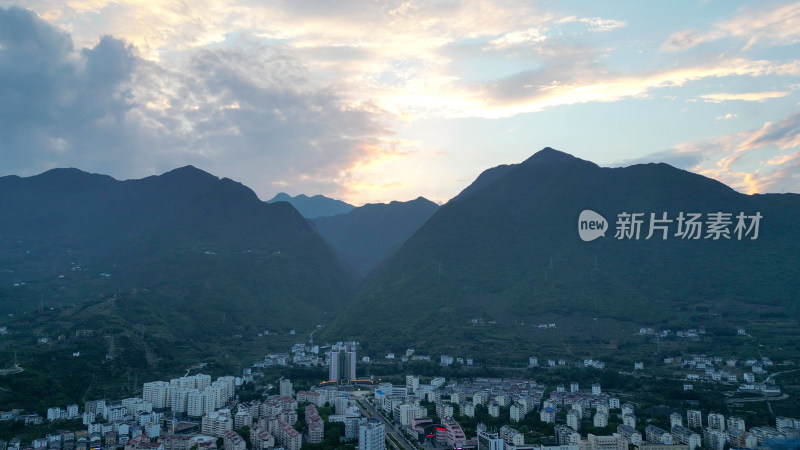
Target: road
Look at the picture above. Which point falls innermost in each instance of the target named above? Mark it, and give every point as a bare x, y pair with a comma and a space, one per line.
755, 399
780, 373
368, 410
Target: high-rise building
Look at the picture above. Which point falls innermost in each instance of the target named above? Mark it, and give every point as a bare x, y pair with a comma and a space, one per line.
694, 419
371, 435
489, 441
342, 364
716, 421
286, 389
334, 366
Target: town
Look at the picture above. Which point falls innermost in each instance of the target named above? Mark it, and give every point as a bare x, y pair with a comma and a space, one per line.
407, 411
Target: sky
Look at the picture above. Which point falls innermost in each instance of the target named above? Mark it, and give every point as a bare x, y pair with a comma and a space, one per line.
372, 101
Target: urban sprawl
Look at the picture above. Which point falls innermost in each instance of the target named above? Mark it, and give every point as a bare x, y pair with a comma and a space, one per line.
196, 413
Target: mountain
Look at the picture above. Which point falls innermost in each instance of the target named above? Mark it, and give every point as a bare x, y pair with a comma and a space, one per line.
209, 250
369, 234
313, 207
504, 257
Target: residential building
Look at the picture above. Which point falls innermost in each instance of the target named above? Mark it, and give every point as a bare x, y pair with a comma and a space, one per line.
489, 441
285, 388
714, 439
566, 435
217, 423
406, 413
683, 435
450, 433
511, 436
694, 419
371, 435
233, 441
243, 418
316, 427
600, 420
517, 412
288, 437
412, 383
656, 435
605, 443
468, 409
574, 419
629, 434
735, 424
716, 421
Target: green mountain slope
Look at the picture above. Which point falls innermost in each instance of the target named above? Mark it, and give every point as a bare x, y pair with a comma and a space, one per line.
369, 234
505, 256
204, 245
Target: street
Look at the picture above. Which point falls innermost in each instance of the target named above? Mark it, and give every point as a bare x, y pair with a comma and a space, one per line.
368, 410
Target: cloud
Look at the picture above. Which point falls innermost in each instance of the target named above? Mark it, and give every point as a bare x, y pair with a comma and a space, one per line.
603, 25
248, 112
586, 82
681, 158
393, 53
753, 161
57, 104
745, 97
727, 116
776, 25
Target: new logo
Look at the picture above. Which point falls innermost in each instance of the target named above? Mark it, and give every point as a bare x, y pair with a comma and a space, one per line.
591, 225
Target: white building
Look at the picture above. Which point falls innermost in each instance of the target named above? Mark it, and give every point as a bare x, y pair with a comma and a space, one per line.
371, 435
285, 388
517, 412
53, 413
574, 420
629, 420
683, 435
735, 424
196, 403
155, 392
675, 420
489, 441
716, 421
412, 383
694, 419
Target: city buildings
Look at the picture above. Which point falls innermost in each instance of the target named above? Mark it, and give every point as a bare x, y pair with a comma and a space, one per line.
371, 435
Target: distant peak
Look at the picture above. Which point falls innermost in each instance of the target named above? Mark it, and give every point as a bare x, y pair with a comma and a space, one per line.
280, 197
187, 170
70, 173
548, 155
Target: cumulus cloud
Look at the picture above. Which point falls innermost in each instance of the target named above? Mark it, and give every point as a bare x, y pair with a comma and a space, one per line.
308, 94
247, 112
57, 105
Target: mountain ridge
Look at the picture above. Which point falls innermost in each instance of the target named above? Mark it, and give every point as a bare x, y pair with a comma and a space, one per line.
369, 234
509, 251
314, 206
